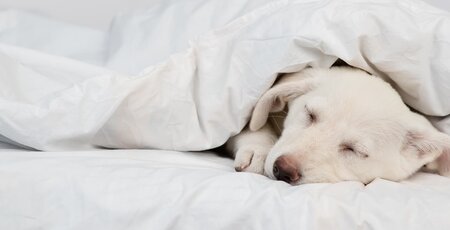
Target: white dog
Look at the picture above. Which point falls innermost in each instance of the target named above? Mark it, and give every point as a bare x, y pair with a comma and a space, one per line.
341, 124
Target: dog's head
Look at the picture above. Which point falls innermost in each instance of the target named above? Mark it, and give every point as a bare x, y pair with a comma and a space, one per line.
344, 124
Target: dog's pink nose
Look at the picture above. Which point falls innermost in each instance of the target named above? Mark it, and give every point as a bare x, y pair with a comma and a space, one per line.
286, 169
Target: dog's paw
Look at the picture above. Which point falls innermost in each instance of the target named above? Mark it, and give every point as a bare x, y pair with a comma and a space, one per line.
251, 158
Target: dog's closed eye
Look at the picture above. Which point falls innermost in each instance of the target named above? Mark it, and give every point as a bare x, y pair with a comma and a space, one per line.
311, 115
350, 148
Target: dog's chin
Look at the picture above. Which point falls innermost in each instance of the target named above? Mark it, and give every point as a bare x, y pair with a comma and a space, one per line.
269, 173
268, 165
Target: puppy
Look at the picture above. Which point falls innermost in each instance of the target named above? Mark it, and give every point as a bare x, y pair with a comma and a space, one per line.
338, 124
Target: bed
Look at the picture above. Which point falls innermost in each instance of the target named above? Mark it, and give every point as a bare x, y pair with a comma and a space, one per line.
101, 104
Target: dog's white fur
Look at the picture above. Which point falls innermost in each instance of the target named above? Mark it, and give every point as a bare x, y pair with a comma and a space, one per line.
341, 124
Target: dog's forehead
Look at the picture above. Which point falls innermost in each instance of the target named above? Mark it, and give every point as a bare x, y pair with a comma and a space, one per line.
367, 108
359, 94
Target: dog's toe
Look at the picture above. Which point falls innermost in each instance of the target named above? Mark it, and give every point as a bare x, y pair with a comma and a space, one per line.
256, 164
250, 159
238, 168
242, 160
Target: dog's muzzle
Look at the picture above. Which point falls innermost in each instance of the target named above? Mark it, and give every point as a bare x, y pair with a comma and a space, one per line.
286, 169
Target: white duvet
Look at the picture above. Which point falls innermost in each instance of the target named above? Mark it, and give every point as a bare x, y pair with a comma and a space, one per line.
185, 75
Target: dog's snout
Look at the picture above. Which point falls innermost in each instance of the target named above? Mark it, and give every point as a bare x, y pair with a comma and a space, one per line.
286, 169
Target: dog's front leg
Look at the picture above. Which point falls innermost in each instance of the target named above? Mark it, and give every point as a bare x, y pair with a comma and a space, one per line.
250, 148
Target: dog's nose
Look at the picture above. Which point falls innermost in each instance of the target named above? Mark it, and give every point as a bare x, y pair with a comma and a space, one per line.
286, 170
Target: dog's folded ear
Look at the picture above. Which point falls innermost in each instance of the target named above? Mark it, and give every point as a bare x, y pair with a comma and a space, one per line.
431, 148
275, 99
443, 163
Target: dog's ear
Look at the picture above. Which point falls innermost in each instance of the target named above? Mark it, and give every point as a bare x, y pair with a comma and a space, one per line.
275, 99
443, 163
431, 148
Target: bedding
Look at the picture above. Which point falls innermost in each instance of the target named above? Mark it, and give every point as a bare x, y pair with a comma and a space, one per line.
155, 189
161, 79
199, 97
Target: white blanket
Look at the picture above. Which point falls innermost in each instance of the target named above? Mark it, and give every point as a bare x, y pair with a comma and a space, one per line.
148, 189
63, 87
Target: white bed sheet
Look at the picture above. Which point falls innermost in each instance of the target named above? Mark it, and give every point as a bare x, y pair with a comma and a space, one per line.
145, 189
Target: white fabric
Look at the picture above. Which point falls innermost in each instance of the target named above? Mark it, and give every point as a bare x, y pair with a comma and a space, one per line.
60, 84
146, 37
148, 189
199, 97
52, 36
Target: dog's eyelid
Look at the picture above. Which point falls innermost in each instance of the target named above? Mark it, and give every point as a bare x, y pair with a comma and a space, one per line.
311, 114
353, 148
347, 146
